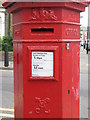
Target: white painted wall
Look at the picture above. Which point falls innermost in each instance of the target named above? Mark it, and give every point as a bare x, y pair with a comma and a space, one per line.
84, 18
2, 22
89, 16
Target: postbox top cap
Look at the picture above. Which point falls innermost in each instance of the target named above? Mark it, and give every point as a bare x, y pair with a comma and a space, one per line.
18, 4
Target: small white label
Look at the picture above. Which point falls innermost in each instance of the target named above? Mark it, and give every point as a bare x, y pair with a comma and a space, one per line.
42, 64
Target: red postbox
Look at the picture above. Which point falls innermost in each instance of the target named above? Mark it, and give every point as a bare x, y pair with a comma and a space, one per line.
46, 42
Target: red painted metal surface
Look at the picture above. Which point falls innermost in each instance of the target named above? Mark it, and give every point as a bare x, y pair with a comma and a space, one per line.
46, 27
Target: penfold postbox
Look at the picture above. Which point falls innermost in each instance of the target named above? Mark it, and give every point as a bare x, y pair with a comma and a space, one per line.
46, 44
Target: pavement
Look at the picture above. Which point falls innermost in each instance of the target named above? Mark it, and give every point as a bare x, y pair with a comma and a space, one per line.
10, 67
7, 94
7, 87
83, 83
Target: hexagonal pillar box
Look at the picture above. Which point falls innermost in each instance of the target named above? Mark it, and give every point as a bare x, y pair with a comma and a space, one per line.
46, 45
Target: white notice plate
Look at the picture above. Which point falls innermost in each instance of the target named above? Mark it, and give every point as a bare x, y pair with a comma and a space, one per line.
42, 64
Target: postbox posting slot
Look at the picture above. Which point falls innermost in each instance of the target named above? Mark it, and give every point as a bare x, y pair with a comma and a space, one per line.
42, 30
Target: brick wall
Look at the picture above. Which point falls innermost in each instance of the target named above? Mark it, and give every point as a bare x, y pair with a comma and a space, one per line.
10, 56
